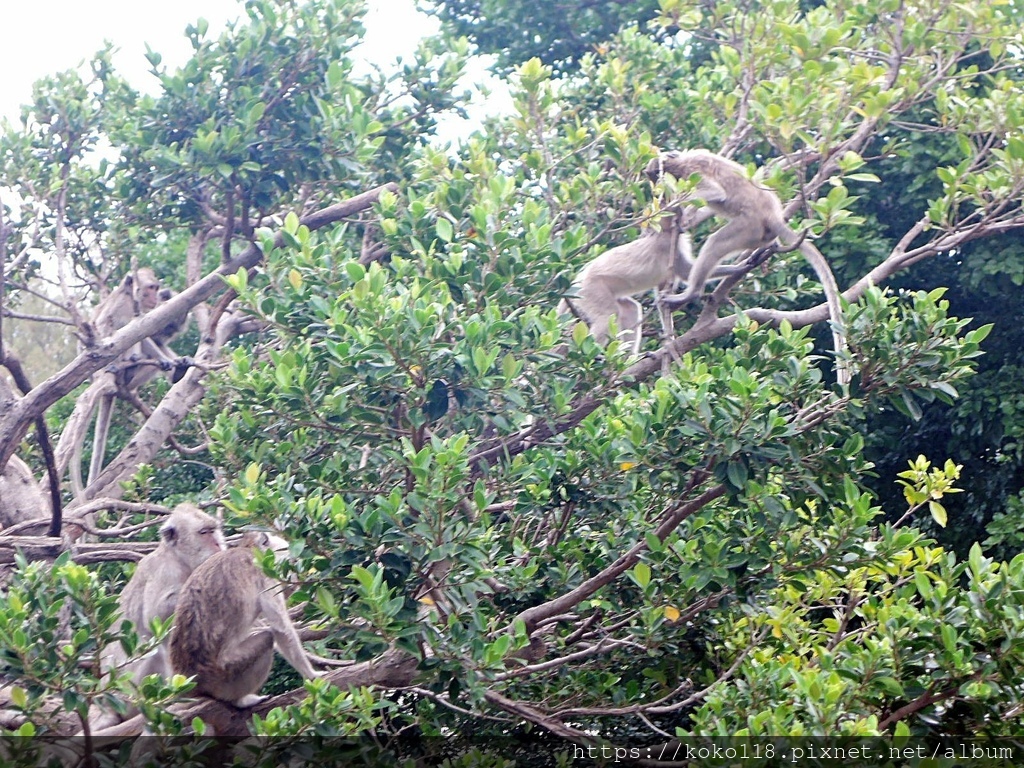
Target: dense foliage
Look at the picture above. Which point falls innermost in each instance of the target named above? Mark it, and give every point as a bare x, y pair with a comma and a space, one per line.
559, 33
614, 550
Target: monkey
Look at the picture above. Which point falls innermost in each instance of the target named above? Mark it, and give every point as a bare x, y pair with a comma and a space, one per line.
188, 538
21, 497
155, 347
137, 294
605, 287
216, 638
755, 220
21, 380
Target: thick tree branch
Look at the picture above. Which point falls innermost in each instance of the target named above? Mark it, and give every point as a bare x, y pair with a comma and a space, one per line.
392, 669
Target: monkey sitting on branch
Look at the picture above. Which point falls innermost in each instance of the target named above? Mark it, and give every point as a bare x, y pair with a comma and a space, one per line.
755, 219
140, 292
21, 497
216, 637
188, 538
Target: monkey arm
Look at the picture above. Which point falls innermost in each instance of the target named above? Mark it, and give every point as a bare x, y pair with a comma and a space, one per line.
274, 610
153, 358
711, 191
692, 217
157, 350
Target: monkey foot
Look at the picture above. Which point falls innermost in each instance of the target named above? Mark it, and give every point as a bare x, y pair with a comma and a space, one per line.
249, 700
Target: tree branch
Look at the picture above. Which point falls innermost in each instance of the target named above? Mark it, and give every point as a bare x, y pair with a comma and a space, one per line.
14, 420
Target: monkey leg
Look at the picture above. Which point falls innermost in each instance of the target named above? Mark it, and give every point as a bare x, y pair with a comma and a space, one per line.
735, 237
242, 671
597, 316
630, 317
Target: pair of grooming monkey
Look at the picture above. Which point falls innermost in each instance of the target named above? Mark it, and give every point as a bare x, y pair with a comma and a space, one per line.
229, 615
755, 220
604, 289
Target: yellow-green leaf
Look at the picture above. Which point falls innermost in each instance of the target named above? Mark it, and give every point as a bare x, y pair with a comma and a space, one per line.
252, 473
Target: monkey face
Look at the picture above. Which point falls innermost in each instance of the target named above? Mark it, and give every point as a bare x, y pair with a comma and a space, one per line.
212, 538
148, 290
653, 169
150, 296
192, 534
656, 167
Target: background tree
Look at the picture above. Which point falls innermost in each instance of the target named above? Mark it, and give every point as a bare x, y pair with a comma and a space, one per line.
518, 527
559, 33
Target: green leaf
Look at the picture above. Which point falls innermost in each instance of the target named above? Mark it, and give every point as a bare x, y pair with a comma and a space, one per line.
335, 75
949, 638
975, 560
737, 474
642, 575
579, 333
355, 271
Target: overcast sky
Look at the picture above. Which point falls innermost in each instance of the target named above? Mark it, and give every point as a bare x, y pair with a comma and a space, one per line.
42, 37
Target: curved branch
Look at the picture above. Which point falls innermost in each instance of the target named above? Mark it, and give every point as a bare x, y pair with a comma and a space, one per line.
392, 669
671, 519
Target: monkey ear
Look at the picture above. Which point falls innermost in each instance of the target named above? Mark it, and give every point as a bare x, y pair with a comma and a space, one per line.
169, 533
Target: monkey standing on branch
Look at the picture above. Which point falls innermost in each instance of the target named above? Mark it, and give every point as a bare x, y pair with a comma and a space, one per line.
605, 287
755, 220
216, 638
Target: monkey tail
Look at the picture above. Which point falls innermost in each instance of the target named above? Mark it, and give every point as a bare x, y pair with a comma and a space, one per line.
104, 412
835, 311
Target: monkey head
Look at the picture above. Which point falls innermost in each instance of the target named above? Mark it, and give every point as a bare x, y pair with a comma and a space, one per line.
656, 167
192, 535
148, 292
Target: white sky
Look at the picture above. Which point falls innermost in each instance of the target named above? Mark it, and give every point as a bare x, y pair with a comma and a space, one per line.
42, 37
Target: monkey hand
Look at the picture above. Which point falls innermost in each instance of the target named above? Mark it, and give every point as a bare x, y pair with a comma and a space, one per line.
678, 300
181, 366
